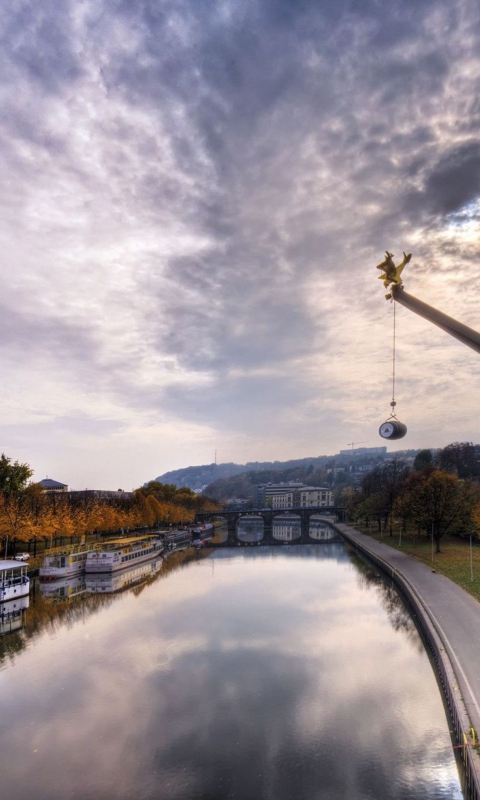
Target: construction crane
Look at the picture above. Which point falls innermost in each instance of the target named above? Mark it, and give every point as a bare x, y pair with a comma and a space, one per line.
392, 280
352, 444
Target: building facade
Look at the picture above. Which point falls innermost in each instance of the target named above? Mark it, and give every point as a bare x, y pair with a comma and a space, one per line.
303, 497
265, 492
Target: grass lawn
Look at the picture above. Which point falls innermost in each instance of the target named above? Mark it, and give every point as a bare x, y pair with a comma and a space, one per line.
453, 561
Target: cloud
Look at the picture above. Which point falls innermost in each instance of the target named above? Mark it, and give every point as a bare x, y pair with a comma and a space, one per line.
455, 180
195, 198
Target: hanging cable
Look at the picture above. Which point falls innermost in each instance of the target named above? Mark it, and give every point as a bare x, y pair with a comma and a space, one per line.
392, 428
393, 403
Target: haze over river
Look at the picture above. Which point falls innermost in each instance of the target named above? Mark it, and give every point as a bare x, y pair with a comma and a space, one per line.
254, 673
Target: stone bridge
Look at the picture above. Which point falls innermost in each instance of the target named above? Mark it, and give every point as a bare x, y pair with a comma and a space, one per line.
268, 516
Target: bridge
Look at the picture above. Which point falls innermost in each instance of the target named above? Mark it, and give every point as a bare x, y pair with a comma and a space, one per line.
268, 516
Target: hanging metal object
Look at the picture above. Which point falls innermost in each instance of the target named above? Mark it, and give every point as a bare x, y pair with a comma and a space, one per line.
392, 428
391, 276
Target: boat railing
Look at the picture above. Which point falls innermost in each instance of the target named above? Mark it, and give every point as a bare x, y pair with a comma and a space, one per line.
70, 550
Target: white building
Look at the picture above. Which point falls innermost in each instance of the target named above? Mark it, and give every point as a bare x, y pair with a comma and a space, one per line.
303, 497
265, 492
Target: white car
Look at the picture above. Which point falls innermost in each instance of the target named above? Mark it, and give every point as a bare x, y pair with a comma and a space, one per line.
22, 556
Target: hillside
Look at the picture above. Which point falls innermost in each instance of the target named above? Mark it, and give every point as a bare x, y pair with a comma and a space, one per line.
222, 481
197, 478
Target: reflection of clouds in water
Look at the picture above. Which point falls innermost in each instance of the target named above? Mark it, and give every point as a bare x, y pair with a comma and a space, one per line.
265, 676
397, 613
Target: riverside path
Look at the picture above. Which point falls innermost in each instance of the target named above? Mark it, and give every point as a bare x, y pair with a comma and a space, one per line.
451, 612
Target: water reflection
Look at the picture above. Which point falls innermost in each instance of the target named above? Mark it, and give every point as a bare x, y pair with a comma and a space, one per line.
57, 603
321, 532
398, 615
12, 614
251, 673
63, 588
250, 529
285, 528
117, 581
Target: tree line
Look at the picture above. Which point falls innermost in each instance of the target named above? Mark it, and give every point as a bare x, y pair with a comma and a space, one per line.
28, 512
440, 495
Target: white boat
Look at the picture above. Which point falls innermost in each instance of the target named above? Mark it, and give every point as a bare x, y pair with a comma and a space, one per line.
202, 531
12, 614
107, 583
63, 564
14, 580
202, 534
114, 557
176, 540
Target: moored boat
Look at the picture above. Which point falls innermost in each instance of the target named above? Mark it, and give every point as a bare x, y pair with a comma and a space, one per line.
201, 534
176, 540
203, 531
14, 580
64, 564
116, 557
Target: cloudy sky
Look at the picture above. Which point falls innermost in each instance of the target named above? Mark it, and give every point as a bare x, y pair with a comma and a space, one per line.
195, 194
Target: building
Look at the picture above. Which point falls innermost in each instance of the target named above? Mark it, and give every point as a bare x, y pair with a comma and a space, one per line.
265, 492
365, 451
48, 485
303, 497
102, 494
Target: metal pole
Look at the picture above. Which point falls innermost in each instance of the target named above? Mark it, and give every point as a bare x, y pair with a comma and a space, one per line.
456, 329
432, 541
471, 559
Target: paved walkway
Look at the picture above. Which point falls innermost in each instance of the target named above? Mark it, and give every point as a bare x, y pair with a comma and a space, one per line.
455, 614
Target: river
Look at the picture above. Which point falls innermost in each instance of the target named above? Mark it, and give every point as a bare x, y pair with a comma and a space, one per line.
251, 673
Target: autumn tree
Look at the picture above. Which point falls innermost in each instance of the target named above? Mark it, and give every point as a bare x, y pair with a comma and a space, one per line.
459, 458
15, 497
438, 503
178, 504
379, 490
423, 459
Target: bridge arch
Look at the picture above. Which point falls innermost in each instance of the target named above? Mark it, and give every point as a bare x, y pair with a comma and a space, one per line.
268, 517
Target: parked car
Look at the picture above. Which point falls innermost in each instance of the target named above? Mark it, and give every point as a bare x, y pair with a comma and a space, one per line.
22, 556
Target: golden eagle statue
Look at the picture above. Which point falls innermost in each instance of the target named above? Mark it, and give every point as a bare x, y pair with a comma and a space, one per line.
391, 273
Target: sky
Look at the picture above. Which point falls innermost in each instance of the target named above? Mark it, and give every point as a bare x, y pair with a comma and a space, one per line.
195, 195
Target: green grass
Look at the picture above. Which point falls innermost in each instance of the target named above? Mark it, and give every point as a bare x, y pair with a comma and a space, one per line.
453, 561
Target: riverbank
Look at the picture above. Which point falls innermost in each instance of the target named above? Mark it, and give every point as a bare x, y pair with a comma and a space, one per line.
450, 620
458, 559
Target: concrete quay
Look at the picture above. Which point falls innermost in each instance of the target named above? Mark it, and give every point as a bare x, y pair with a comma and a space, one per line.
450, 620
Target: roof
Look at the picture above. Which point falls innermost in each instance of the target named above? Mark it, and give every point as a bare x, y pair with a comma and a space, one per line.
10, 563
315, 489
48, 483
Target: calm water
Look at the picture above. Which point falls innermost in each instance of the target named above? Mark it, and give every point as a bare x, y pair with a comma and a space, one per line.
251, 673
